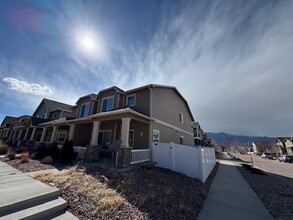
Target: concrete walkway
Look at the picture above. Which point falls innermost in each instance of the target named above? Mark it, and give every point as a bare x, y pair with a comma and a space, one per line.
230, 197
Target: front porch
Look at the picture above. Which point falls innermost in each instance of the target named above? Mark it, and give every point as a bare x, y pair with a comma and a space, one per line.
98, 132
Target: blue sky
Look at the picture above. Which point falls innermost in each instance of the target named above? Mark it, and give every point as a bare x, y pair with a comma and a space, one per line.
232, 60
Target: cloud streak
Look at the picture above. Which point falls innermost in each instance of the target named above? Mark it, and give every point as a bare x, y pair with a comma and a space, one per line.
25, 87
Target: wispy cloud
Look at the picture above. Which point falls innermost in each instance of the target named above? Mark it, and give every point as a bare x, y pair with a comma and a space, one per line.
25, 87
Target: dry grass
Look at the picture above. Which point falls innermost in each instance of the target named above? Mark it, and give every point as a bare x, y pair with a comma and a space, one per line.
106, 199
11, 155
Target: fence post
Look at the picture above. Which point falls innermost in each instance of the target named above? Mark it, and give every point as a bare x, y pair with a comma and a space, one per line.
200, 164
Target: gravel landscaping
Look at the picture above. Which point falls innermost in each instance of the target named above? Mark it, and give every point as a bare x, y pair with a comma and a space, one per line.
143, 193
275, 192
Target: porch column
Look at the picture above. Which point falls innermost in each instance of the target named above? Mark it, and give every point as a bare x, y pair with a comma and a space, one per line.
26, 133
95, 133
33, 133
15, 134
71, 132
19, 134
43, 134
125, 131
10, 135
54, 133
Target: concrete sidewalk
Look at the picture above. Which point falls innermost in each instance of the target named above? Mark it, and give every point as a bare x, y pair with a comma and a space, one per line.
230, 197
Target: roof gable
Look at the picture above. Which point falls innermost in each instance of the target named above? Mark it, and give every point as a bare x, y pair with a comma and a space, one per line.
52, 105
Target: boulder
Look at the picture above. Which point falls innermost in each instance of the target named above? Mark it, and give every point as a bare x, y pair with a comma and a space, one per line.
47, 160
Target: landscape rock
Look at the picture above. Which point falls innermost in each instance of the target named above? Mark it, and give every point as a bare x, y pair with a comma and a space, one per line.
47, 160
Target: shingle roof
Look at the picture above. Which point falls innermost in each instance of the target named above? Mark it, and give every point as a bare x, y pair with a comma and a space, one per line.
92, 96
52, 105
7, 120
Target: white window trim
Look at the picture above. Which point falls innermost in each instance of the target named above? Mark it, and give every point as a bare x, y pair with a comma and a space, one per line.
131, 95
181, 114
81, 108
181, 137
133, 136
61, 132
45, 114
103, 102
100, 131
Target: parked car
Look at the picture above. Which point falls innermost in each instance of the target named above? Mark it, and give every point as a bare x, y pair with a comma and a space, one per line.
267, 156
286, 158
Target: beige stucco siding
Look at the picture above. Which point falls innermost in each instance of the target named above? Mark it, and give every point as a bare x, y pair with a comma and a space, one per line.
168, 135
167, 105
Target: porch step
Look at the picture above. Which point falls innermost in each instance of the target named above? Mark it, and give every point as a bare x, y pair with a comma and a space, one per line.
43, 211
22, 194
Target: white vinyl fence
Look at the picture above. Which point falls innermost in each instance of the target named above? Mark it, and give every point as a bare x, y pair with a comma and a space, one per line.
193, 161
140, 156
80, 151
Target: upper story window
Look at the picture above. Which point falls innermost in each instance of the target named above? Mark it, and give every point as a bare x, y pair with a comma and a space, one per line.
107, 104
85, 110
54, 115
45, 115
131, 100
181, 118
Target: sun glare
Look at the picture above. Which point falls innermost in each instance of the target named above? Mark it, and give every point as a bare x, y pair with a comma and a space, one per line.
88, 43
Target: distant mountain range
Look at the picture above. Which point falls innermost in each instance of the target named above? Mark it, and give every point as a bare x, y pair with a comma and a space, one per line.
224, 138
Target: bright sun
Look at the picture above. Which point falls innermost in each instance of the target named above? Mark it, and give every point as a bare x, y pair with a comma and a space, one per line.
88, 43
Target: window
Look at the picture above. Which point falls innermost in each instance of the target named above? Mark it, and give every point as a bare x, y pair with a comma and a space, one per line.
45, 115
181, 140
104, 139
61, 136
54, 115
181, 119
131, 138
131, 100
85, 110
107, 104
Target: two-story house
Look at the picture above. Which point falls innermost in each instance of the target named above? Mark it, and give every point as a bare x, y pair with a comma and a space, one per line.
5, 128
25, 128
138, 117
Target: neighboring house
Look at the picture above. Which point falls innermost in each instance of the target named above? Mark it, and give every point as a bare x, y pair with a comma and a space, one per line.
50, 109
25, 128
198, 133
138, 117
289, 146
263, 146
280, 141
5, 128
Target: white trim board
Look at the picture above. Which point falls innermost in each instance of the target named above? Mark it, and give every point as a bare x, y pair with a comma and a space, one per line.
171, 126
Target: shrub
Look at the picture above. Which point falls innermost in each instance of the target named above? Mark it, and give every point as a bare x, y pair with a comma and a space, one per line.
10, 155
67, 152
25, 157
41, 151
54, 151
3, 150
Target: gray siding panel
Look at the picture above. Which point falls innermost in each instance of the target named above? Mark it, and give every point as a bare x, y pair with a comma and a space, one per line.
142, 101
141, 134
168, 135
42, 110
82, 134
167, 105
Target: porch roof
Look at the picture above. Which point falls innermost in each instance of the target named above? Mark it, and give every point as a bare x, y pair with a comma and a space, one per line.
104, 116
